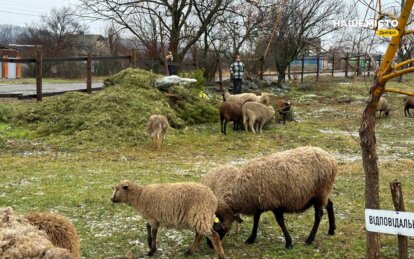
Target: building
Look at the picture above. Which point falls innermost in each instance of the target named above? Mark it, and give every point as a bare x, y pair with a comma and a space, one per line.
10, 70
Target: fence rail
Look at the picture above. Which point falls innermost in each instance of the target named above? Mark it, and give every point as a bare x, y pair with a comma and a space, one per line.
133, 62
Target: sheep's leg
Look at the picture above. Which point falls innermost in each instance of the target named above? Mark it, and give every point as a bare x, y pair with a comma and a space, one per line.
251, 125
221, 125
195, 244
154, 231
149, 237
225, 127
281, 221
253, 236
215, 239
245, 122
331, 217
318, 216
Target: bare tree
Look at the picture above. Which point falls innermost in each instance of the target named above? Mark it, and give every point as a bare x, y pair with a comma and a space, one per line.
155, 18
301, 22
9, 33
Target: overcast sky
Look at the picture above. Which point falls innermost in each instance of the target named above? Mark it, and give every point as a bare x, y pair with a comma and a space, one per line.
26, 12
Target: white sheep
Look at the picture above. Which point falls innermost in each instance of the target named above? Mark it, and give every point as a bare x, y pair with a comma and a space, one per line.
20, 239
256, 112
60, 231
289, 181
188, 205
246, 97
157, 128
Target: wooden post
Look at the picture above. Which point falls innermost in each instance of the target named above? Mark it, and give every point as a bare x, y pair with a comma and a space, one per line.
133, 63
397, 199
262, 59
317, 67
346, 64
289, 71
220, 74
358, 69
89, 73
303, 68
39, 64
369, 65
333, 64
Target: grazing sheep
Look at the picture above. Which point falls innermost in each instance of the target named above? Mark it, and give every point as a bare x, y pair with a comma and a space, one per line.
408, 104
60, 231
289, 181
189, 205
219, 180
230, 111
256, 112
383, 107
283, 108
157, 128
20, 239
246, 97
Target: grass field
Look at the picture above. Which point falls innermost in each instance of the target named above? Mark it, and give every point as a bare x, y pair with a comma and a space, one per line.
76, 181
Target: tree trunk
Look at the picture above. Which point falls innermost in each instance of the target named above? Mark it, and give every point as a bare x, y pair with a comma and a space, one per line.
281, 77
369, 161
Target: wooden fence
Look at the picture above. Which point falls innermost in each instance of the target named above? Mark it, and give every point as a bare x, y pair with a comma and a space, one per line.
39, 60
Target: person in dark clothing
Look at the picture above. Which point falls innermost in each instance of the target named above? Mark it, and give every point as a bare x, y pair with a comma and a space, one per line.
237, 69
169, 58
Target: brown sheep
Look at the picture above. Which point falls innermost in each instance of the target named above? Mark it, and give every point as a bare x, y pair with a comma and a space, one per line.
383, 107
230, 111
283, 108
60, 231
408, 104
284, 182
157, 128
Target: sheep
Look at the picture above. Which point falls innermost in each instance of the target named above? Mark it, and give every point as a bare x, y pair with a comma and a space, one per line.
157, 128
230, 111
60, 231
219, 180
408, 104
256, 112
283, 108
20, 239
383, 106
246, 97
189, 205
289, 181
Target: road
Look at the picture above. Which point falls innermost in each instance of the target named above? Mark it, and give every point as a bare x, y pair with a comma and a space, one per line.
29, 90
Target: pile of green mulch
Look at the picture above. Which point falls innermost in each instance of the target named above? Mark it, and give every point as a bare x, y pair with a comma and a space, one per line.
117, 114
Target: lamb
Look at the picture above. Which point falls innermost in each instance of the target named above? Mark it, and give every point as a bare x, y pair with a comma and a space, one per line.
256, 112
408, 104
20, 239
230, 111
157, 128
383, 106
289, 181
246, 97
189, 205
60, 231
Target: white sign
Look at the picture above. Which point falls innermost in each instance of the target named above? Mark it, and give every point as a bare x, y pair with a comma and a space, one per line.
390, 222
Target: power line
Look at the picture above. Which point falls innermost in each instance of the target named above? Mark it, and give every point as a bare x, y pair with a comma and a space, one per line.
20, 13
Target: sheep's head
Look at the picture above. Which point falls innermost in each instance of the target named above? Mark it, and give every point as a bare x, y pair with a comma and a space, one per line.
265, 99
226, 219
120, 193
